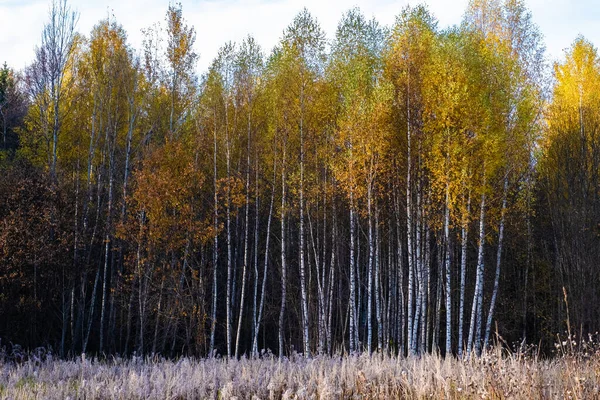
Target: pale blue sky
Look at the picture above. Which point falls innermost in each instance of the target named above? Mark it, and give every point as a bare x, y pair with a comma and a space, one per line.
218, 21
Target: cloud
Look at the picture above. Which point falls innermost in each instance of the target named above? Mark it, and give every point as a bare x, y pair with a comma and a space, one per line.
219, 21
20, 30
216, 21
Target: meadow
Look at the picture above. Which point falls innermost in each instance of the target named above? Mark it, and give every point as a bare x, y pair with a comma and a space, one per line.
498, 374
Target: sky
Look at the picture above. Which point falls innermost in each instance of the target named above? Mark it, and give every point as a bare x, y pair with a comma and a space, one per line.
219, 21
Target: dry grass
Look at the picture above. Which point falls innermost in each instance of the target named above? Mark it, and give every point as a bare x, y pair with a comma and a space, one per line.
496, 375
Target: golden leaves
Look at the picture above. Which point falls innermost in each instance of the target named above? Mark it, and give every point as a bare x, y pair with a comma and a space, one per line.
166, 189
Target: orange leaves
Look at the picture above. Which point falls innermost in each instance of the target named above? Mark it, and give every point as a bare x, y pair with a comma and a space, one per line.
235, 187
167, 189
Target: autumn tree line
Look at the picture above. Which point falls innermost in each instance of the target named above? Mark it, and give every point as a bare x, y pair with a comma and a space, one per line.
402, 189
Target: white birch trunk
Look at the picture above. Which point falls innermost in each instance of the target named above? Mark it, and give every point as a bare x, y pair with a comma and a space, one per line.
401, 321
378, 306
370, 272
303, 288
228, 222
426, 265
463, 274
321, 277
256, 235
418, 264
476, 310
246, 232
107, 242
448, 276
409, 228
283, 259
488, 325
352, 304
266, 264
215, 255
331, 284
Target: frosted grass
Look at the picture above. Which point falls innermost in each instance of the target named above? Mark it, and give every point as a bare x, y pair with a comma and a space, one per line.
495, 375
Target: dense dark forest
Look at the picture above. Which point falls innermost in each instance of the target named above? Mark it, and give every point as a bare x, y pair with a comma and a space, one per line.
402, 189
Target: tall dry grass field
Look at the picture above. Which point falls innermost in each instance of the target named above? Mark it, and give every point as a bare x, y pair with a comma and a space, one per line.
496, 375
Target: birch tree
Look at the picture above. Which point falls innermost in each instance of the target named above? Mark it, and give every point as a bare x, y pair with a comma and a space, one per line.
409, 50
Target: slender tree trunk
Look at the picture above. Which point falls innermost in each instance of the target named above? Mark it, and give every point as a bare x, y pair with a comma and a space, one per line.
448, 274
266, 264
402, 322
463, 273
256, 235
72, 309
426, 266
94, 291
215, 258
331, 282
323, 287
391, 313
370, 271
234, 280
141, 282
92, 307
477, 309
132, 118
75, 255
56, 90
129, 317
158, 312
360, 320
321, 272
529, 254
246, 232
488, 325
438, 309
303, 288
229, 244
378, 307
86, 207
321, 280
107, 242
352, 305
283, 258
409, 235
65, 310
418, 264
